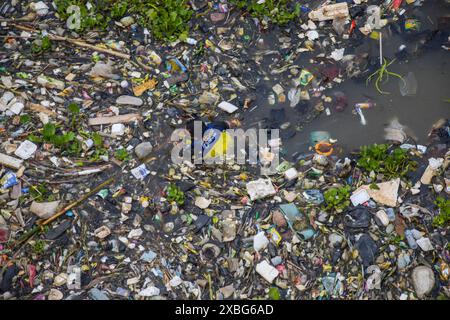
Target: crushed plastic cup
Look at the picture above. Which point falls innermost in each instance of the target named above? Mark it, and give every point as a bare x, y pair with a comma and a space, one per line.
26, 150
410, 239
314, 196
306, 234
260, 241
228, 107
408, 85
260, 188
339, 25
268, 272
294, 96
359, 197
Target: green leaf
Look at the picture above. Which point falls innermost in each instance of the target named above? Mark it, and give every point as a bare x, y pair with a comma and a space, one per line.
49, 131
57, 140
374, 186
73, 108
70, 136
274, 294
122, 154
25, 118
174, 194
98, 139
337, 198
34, 138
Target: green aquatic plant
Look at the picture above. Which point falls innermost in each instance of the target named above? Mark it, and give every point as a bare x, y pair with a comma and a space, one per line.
277, 11
174, 194
39, 247
398, 163
337, 198
41, 45
371, 157
41, 193
98, 139
92, 15
378, 159
25, 118
274, 293
166, 19
382, 76
67, 141
74, 111
119, 9
443, 218
396, 239
122, 154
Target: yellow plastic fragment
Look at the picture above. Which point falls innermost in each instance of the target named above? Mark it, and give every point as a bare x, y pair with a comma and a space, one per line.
275, 236
375, 35
147, 85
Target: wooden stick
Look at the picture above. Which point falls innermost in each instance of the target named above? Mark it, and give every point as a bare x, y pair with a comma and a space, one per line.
39, 108
10, 89
130, 117
74, 204
381, 49
79, 201
76, 42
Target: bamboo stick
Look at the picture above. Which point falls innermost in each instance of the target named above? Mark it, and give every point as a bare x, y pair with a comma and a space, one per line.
74, 204
76, 42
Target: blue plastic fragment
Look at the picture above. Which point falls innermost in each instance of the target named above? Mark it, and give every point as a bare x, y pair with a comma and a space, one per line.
69, 213
291, 211
148, 256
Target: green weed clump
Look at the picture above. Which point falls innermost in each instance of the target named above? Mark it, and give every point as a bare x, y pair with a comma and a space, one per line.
382, 76
122, 155
39, 247
92, 15
66, 140
443, 218
166, 19
277, 11
174, 194
41, 45
274, 294
378, 159
41, 193
337, 198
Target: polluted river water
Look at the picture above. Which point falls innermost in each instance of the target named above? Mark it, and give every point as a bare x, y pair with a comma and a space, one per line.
426, 62
418, 112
